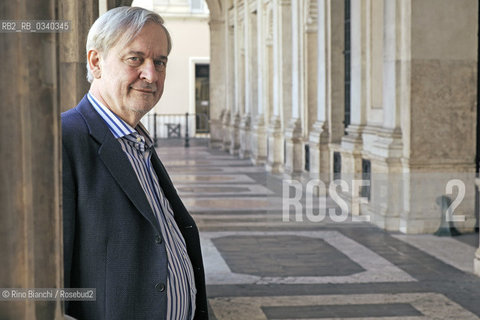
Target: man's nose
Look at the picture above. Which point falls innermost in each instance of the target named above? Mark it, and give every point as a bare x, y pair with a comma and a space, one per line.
148, 72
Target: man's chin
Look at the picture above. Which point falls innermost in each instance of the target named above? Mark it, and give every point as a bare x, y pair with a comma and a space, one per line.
141, 108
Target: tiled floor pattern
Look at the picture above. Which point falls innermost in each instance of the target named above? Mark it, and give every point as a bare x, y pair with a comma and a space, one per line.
259, 266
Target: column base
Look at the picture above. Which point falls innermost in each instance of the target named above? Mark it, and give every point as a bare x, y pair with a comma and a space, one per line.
320, 163
245, 137
294, 162
226, 131
412, 198
351, 152
259, 141
235, 134
275, 146
216, 134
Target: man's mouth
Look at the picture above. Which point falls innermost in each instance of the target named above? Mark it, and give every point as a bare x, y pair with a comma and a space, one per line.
144, 90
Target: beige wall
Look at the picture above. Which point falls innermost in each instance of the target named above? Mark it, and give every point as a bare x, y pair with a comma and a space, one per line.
191, 42
190, 34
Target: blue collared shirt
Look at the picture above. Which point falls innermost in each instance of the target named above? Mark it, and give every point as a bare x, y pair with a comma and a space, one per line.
138, 146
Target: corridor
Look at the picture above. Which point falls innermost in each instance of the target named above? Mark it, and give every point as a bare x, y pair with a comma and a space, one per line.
259, 266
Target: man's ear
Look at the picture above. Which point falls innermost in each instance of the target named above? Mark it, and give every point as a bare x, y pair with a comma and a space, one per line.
93, 57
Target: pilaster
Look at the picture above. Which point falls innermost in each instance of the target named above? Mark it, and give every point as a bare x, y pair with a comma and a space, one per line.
218, 89
275, 146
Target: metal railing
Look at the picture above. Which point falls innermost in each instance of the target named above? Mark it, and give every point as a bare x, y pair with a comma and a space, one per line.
177, 126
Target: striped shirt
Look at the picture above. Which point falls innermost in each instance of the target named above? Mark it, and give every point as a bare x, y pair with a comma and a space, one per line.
138, 147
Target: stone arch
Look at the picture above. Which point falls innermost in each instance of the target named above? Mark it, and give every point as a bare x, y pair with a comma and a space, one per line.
216, 9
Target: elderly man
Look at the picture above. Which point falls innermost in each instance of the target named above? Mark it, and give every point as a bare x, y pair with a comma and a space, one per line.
126, 231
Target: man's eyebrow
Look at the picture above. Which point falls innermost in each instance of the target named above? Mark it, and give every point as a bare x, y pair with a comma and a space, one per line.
141, 53
138, 53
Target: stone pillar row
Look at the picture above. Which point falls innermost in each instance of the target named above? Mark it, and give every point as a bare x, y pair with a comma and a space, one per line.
412, 94
270, 77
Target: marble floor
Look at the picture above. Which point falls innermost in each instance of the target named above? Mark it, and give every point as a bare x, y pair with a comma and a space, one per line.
262, 264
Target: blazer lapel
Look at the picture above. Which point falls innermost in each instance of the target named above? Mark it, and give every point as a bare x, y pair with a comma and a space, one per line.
112, 155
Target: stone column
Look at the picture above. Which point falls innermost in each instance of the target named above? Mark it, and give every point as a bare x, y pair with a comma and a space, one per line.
319, 135
311, 66
282, 85
238, 76
250, 81
385, 142
259, 134
294, 162
230, 99
73, 71
336, 47
217, 81
436, 80
31, 219
352, 142
429, 97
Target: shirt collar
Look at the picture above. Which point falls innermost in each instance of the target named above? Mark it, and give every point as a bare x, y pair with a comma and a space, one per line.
117, 126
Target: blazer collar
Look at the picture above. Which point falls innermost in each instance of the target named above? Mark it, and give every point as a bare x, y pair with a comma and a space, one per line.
112, 155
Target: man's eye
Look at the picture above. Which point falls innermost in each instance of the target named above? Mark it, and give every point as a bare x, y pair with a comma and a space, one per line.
134, 60
160, 63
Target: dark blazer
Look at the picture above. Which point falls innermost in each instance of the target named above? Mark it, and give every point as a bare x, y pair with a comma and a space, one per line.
112, 240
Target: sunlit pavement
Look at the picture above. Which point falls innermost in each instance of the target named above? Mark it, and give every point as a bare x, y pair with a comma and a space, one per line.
259, 266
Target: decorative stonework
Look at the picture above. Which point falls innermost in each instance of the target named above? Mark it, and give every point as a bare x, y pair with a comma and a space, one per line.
294, 162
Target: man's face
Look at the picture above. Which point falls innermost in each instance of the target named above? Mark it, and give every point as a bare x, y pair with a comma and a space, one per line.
132, 76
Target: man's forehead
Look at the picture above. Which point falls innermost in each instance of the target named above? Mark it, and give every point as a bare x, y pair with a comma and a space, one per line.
151, 35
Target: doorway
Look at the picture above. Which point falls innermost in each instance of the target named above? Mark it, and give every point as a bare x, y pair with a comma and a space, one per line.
202, 98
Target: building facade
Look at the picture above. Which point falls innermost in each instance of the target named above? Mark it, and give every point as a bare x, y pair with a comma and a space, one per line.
343, 90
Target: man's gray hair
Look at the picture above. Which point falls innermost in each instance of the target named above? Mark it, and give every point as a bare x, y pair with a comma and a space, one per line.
120, 24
